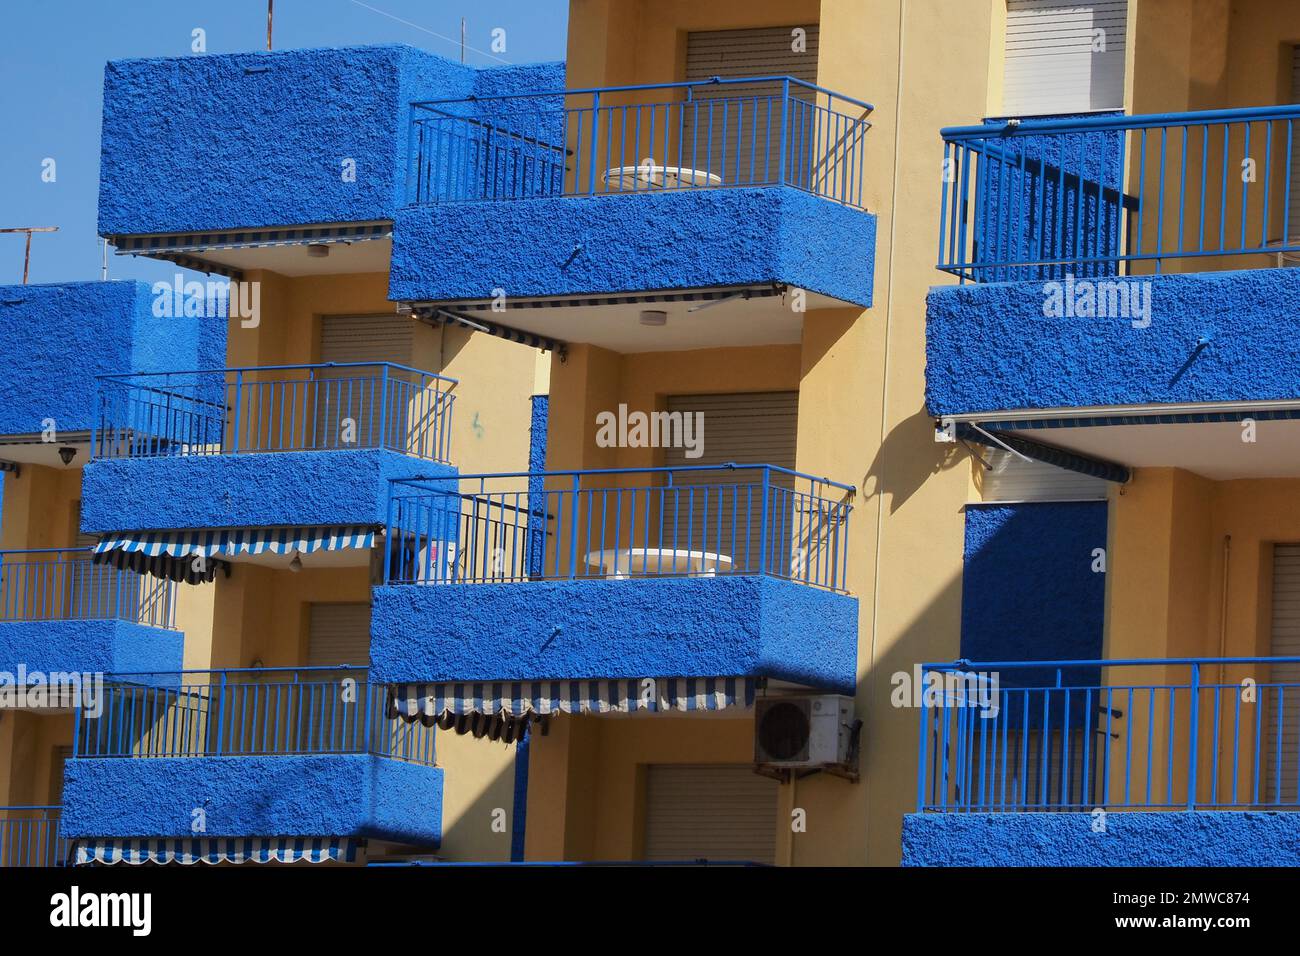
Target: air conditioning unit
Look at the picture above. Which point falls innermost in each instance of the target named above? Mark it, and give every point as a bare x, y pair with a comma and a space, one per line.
805, 731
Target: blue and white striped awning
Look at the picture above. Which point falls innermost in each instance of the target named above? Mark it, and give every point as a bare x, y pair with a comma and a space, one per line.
503, 709
170, 554
232, 542
240, 850
250, 238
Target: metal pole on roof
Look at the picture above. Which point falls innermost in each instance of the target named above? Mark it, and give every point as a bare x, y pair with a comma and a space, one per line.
462, 39
27, 252
270, 13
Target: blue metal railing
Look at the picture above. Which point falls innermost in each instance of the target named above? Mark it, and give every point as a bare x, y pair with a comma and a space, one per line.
247, 712
713, 133
60, 584
346, 405
29, 836
1177, 734
1040, 199
619, 523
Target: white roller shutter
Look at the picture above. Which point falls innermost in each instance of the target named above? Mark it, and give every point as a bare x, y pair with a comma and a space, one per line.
1285, 643
338, 634
357, 395
710, 812
1014, 479
732, 54
1053, 63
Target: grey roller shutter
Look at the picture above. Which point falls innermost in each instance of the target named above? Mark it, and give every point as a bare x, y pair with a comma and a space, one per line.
1051, 64
357, 393
710, 812
1285, 643
745, 141
338, 634
746, 428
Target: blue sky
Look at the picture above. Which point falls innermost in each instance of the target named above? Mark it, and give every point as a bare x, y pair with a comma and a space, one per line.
52, 55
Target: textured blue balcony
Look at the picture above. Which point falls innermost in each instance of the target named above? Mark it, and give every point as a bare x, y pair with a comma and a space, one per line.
674, 188
62, 613
700, 581
1068, 225
1107, 763
274, 755
29, 837
57, 338
260, 140
289, 446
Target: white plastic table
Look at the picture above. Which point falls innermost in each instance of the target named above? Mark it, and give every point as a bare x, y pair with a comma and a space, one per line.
619, 563
650, 176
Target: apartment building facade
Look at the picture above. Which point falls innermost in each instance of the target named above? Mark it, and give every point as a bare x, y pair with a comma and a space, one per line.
608, 473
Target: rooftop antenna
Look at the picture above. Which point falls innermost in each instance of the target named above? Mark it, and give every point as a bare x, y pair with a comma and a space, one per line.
462, 39
27, 254
270, 14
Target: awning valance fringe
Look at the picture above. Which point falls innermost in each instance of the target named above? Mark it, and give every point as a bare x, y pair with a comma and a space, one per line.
212, 851
171, 554
503, 710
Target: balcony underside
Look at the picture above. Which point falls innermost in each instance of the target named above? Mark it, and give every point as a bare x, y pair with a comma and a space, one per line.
625, 244
349, 795
309, 488
1122, 838
737, 626
88, 647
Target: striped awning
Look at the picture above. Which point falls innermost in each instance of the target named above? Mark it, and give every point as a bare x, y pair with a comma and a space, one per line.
251, 238
241, 850
171, 554
503, 710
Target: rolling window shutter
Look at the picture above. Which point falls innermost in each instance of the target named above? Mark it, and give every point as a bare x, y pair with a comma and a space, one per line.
710, 812
745, 141
1051, 65
746, 428
338, 634
1285, 643
357, 395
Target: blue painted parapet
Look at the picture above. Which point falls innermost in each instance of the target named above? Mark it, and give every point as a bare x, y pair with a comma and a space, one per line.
278, 795
301, 445
284, 138
1079, 343
311, 752
691, 572
1221, 838
57, 338
632, 189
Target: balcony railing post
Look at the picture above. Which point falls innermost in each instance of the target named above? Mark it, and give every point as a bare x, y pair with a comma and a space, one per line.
1193, 738
595, 141
922, 749
785, 134
764, 521
573, 533
383, 408
239, 390
221, 710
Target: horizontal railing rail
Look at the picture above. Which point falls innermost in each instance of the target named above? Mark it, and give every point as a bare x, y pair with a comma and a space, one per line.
29, 837
1110, 195
331, 406
1152, 734
619, 523
714, 133
68, 584
249, 712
